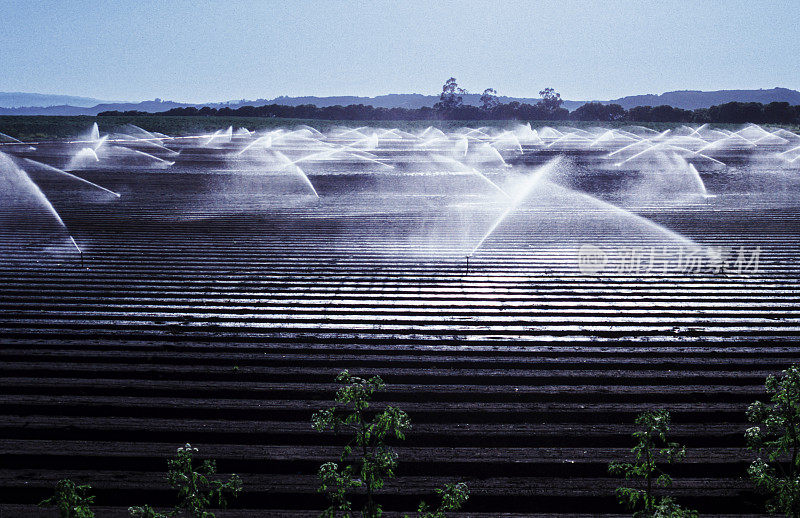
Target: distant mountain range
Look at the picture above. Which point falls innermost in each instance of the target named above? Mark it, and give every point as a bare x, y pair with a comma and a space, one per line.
693, 99
21, 99
16, 103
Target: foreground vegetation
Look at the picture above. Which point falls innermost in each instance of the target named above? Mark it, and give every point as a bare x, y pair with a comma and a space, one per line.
368, 460
775, 439
197, 488
651, 447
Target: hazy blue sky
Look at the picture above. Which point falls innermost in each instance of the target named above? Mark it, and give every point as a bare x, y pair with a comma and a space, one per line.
212, 51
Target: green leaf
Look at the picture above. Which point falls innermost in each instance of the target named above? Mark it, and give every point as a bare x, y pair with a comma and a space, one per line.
367, 461
651, 450
71, 500
775, 442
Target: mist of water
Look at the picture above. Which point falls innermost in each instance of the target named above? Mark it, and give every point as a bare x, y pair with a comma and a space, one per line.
8, 167
488, 174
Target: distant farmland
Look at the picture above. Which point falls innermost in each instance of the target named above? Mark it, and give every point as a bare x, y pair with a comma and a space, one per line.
40, 127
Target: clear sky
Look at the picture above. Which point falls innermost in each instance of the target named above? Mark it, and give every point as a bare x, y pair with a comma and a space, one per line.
198, 51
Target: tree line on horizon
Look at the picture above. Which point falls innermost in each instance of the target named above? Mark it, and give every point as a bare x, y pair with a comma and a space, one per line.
451, 107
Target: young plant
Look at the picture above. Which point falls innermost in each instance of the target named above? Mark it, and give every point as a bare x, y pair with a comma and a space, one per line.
197, 489
650, 449
146, 511
776, 441
453, 497
367, 460
72, 500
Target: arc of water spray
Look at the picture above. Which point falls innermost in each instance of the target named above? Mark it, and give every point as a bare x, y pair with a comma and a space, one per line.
789, 151
628, 134
698, 180
99, 142
299, 170
470, 169
566, 137
462, 146
668, 147
40, 194
609, 135
484, 178
714, 144
346, 149
625, 148
43, 198
266, 138
662, 134
212, 137
70, 175
307, 179
640, 153
697, 130
350, 148
652, 225
490, 182
228, 134
76, 246
523, 193
506, 137
696, 153
10, 138
157, 159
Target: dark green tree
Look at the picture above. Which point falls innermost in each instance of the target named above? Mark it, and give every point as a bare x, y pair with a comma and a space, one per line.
489, 100
551, 100
779, 113
595, 111
651, 449
450, 98
776, 441
666, 113
71, 500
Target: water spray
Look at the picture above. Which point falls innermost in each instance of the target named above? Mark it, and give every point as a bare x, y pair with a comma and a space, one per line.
70, 175
77, 248
526, 189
